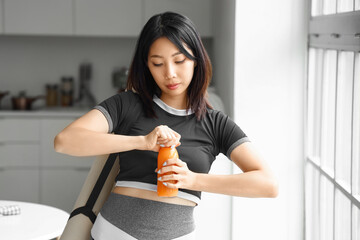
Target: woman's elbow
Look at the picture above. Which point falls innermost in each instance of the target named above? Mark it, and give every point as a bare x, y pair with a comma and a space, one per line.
273, 188
59, 143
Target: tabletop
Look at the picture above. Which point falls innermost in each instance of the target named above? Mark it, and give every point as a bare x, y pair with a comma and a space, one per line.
35, 222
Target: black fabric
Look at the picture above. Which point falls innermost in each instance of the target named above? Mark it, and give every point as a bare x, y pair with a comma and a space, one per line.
101, 180
87, 210
201, 141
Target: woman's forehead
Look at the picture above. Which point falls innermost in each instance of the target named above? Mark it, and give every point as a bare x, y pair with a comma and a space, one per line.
163, 47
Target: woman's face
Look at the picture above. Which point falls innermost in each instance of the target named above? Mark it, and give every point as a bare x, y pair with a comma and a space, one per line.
171, 69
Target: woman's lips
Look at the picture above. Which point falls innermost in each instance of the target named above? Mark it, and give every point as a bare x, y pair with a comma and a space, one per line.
172, 86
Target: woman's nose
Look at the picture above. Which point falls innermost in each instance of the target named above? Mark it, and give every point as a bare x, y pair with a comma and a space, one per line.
170, 71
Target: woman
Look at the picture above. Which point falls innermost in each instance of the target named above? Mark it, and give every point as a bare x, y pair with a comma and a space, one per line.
165, 105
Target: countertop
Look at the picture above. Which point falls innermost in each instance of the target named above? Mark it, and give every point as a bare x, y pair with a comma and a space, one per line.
46, 112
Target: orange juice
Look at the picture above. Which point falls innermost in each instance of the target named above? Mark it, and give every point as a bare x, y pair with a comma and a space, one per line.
166, 153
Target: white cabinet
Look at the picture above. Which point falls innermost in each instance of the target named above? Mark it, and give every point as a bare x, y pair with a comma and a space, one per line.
108, 17
199, 11
19, 130
30, 169
19, 154
19, 142
19, 184
121, 18
53, 17
19, 159
61, 187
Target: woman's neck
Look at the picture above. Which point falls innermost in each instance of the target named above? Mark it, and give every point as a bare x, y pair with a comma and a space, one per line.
178, 102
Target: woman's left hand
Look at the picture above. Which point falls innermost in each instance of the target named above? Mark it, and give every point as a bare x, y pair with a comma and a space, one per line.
179, 172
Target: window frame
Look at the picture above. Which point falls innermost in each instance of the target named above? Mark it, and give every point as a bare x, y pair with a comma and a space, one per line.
340, 32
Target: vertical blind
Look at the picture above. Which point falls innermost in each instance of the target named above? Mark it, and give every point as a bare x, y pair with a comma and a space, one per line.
332, 167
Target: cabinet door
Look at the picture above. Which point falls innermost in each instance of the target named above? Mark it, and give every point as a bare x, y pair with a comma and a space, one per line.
19, 155
19, 184
51, 17
108, 17
49, 158
199, 11
19, 130
61, 187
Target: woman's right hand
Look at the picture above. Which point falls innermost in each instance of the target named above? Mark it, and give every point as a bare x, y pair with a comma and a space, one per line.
161, 136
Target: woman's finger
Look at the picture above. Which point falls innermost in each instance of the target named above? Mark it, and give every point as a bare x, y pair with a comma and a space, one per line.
172, 185
169, 177
176, 161
167, 169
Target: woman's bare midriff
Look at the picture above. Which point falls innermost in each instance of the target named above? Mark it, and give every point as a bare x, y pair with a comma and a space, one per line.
151, 195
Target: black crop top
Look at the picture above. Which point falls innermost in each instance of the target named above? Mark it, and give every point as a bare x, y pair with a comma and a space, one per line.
201, 141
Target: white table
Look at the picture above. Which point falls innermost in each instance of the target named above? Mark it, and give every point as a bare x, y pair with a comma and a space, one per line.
35, 222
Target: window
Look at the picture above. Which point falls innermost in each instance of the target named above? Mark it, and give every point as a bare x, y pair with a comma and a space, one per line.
332, 173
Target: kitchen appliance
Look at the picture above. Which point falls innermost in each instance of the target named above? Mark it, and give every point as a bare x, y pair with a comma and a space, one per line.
86, 98
22, 102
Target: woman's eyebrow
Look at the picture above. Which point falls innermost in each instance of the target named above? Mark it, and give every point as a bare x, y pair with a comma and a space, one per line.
158, 56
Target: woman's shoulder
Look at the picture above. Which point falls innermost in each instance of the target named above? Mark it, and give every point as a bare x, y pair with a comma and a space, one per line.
128, 94
126, 97
215, 114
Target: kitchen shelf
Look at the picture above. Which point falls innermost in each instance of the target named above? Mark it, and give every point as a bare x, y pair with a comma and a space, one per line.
51, 112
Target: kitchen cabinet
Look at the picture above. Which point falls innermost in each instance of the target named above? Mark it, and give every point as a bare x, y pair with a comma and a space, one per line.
108, 17
19, 159
120, 18
30, 169
19, 184
19, 130
199, 11
19, 155
61, 187
53, 17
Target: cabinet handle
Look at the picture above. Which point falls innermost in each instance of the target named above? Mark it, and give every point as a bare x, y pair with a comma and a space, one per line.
82, 169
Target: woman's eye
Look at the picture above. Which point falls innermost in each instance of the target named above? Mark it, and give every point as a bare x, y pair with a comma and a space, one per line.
157, 64
180, 61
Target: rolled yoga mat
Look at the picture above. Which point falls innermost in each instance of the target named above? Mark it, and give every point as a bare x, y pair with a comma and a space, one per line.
92, 197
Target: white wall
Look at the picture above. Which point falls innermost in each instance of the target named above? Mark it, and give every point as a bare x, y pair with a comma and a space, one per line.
270, 57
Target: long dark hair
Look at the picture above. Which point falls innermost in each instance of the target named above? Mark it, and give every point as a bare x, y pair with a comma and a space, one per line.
179, 30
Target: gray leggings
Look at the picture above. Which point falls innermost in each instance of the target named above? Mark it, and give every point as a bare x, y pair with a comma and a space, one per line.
147, 219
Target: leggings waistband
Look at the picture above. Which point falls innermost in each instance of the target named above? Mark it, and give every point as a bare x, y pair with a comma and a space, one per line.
146, 219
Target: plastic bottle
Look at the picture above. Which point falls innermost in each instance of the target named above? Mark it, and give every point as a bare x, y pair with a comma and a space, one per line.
166, 153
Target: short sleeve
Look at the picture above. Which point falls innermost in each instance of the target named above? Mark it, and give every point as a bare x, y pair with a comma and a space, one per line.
228, 134
116, 110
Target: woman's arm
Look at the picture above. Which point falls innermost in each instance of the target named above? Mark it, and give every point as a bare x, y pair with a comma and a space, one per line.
255, 181
88, 136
